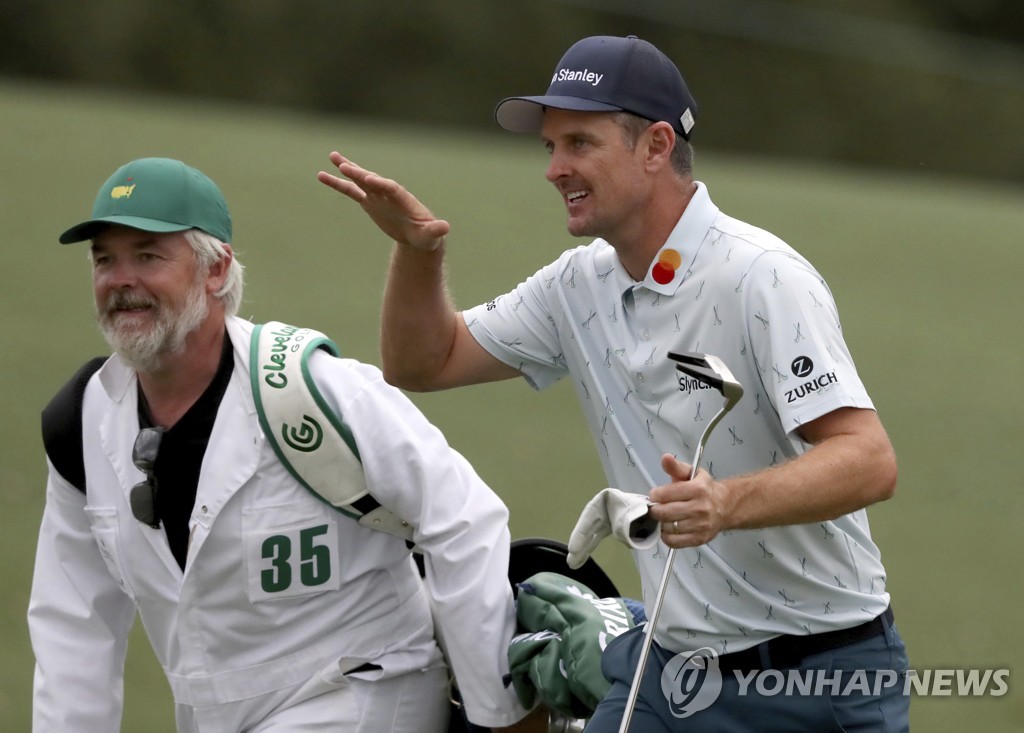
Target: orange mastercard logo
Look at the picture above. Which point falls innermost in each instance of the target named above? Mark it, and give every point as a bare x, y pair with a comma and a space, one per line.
664, 270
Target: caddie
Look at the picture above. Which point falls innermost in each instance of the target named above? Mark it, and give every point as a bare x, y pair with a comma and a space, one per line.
268, 609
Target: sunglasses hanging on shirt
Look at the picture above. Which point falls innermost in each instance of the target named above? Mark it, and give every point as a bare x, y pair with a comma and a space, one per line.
143, 494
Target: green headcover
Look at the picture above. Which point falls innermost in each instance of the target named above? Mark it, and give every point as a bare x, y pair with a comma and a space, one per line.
557, 659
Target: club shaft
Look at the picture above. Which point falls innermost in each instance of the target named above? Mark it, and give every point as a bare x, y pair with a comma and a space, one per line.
652, 621
634, 689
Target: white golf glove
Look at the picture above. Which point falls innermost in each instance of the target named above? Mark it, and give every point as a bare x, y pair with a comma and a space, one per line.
617, 513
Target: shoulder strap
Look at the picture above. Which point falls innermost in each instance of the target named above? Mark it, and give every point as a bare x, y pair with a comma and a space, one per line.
312, 441
62, 425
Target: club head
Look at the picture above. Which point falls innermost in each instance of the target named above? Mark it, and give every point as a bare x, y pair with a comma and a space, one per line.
710, 370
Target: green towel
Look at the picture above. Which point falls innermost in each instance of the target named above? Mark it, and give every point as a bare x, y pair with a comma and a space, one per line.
556, 660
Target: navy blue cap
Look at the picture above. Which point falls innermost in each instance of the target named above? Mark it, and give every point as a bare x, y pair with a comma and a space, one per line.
608, 74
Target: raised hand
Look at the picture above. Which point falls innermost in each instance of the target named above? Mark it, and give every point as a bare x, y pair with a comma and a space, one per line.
398, 213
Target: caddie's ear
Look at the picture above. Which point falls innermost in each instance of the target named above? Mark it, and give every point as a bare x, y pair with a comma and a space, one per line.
218, 273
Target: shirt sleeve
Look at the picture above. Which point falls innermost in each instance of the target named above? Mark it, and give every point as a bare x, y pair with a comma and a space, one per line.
797, 339
79, 619
520, 328
460, 524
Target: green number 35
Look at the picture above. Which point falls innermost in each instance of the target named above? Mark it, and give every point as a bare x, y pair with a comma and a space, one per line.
314, 560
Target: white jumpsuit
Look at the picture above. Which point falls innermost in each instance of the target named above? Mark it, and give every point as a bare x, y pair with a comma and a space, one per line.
281, 595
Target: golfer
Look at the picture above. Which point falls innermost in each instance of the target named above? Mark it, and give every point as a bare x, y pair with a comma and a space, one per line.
267, 608
776, 568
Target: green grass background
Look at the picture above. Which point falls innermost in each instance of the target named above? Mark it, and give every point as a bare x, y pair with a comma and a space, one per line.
926, 272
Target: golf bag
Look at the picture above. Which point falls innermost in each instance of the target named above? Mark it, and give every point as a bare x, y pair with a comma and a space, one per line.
531, 558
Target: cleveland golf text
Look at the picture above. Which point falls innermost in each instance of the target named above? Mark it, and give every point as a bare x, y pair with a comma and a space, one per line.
282, 336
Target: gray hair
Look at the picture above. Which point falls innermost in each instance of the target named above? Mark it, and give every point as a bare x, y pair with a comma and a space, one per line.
208, 250
633, 126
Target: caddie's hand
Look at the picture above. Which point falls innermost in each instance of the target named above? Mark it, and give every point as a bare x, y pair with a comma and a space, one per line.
691, 512
398, 213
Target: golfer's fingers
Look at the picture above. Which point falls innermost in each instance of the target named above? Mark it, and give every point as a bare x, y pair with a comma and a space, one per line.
687, 532
667, 512
341, 185
675, 469
367, 179
368, 188
684, 539
340, 161
357, 174
677, 491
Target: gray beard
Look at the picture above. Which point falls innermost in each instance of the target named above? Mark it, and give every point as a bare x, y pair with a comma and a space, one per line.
145, 350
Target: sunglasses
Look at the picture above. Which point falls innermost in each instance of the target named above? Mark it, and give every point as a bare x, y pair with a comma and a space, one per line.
143, 495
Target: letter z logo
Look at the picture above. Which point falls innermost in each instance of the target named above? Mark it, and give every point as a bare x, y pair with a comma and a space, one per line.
802, 366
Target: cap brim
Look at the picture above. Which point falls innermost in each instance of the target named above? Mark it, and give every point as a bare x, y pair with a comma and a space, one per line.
526, 114
89, 229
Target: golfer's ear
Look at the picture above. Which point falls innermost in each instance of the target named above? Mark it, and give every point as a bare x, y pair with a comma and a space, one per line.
660, 139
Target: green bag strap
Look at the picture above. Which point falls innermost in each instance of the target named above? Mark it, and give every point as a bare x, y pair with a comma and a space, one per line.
312, 441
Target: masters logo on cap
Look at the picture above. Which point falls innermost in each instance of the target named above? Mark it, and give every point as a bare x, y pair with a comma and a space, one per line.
156, 195
608, 74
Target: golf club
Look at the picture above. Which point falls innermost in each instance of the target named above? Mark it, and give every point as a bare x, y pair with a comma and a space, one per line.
712, 371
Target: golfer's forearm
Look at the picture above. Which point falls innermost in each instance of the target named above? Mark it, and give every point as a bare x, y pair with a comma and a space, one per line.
838, 476
417, 319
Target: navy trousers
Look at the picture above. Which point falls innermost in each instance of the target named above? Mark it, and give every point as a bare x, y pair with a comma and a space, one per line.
859, 686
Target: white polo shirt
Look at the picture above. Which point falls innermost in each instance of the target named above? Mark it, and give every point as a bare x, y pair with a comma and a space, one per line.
719, 286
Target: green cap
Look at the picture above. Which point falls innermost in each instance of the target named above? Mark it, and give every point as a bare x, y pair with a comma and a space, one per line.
156, 195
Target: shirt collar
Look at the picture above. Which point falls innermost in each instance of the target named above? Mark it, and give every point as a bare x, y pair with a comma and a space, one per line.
672, 263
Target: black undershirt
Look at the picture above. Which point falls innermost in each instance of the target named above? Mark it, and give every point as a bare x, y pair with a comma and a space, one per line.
180, 458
